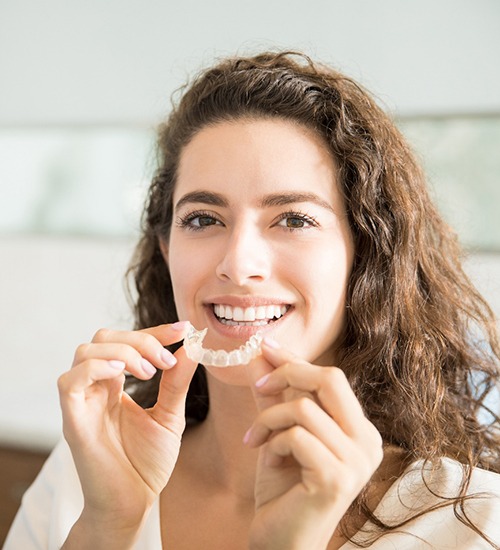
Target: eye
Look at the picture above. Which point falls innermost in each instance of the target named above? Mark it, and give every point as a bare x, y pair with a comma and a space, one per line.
203, 221
198, 221
296, 220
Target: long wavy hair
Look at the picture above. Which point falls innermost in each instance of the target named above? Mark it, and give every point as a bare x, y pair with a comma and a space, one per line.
420, 346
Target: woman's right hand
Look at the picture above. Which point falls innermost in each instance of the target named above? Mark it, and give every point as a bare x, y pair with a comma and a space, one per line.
124, 454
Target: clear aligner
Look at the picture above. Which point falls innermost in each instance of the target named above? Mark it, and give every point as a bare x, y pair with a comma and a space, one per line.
193, 344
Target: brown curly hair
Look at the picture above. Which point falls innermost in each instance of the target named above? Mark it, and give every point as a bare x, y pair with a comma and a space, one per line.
420, 347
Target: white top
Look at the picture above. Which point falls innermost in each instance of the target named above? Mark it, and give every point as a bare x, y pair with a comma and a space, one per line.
54, 502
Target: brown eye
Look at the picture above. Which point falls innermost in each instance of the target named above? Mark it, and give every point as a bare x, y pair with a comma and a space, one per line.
294, 223
198, 221
204, 221
296, 220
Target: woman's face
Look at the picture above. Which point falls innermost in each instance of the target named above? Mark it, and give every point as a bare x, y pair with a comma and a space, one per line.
260, 239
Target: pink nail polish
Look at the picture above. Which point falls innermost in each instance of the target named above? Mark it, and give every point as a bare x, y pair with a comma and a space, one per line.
261, 381
168, 358
179, 325
147, 367
118, 365
246, 437
270, 342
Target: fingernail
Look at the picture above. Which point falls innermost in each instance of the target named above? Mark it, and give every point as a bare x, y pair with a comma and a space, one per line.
168, 358
261, 381
179, 325
147, 367
270, 342
246, 437
118, 365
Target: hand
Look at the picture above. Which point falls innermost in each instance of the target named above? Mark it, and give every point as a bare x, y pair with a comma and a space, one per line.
318, 451
124, 454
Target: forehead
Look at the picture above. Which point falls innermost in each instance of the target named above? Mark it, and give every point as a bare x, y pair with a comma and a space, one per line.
252, 158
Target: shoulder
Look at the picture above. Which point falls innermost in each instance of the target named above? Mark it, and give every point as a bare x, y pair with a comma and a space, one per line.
53, 503
420, 502
426, 485
485, 481
50, 506
446, 477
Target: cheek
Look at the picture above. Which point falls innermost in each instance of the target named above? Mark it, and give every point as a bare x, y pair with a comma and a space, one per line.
183, 273
325, 277
191, 266
324, 269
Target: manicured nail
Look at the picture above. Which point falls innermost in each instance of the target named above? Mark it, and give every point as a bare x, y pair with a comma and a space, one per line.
168, 358
261, 381
270, 342
179, 325
118, 365
246, 437
147, 367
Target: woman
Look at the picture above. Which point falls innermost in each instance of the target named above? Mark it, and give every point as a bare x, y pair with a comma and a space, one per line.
285, 203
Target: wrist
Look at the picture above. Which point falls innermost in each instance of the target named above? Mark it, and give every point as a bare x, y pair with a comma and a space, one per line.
312, 529
110, 533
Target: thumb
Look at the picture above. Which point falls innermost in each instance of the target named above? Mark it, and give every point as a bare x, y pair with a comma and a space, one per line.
174, 385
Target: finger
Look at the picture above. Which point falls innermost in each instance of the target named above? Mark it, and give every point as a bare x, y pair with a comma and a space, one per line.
136, 364
74, 384
307, 450
169, 333
174, 385
322, 474
258, 369
329, 384
302, 412
148, 342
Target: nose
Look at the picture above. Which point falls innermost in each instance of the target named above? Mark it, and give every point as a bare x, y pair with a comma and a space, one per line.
246, 257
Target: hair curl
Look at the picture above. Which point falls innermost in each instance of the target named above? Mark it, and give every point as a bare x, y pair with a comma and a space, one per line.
420, 347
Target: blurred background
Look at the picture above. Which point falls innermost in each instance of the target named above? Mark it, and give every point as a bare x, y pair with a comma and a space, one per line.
82, 87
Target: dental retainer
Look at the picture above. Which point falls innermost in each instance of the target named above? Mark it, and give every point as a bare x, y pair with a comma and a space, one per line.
220, 358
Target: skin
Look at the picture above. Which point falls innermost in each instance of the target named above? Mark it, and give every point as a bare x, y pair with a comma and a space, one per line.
286, 447
249, 251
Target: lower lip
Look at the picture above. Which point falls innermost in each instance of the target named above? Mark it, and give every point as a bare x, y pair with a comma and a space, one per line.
240, 332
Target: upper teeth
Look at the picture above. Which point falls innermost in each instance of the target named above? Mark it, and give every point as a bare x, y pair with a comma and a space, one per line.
249, 313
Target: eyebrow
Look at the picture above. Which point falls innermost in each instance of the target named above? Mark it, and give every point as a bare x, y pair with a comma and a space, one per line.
205, 197
282, 199
273, 199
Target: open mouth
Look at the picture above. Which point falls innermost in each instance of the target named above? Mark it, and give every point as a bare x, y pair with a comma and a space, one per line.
250, 316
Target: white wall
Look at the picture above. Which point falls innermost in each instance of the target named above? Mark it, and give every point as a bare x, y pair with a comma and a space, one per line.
55, 292
73, 62
96, 61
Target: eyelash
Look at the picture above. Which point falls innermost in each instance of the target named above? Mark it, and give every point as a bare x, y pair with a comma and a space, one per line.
186, 221
310, 220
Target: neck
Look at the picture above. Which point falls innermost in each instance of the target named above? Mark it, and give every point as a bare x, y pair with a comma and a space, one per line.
218, 452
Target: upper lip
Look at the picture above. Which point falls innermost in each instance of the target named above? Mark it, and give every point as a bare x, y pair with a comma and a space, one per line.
246, 301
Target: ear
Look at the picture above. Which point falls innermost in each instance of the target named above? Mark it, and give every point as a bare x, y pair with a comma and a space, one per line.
163, 249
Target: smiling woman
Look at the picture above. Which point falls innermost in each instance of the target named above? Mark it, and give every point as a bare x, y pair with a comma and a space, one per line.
242, 217
286, 206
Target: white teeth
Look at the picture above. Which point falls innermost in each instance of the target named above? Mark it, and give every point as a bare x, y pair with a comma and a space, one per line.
193, 344
249, 314
238, 314
260, 312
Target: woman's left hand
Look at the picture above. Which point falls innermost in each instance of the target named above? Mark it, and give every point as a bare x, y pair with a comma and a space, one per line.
318, 451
